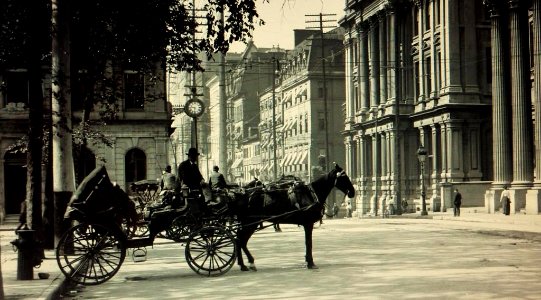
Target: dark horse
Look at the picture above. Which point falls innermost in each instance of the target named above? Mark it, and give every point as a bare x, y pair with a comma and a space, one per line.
300, 204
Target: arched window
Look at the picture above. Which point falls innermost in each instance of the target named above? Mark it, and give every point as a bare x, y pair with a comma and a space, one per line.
136, 166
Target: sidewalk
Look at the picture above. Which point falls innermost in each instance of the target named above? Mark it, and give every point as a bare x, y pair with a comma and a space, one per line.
27, 289
50, 288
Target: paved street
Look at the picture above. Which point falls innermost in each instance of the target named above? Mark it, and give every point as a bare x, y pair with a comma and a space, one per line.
357, 258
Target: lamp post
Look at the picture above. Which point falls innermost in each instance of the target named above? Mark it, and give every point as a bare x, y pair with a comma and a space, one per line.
421, 155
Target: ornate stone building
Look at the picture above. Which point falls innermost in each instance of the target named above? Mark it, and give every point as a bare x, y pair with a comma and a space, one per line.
418, 74
516, 99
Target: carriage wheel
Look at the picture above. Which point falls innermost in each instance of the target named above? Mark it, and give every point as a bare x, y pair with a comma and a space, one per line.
90, 254
211, 251
181, 228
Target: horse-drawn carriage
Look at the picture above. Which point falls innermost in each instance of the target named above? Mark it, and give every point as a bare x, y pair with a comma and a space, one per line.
93, 249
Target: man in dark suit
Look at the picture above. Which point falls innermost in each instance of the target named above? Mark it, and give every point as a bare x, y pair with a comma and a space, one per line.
188, 171
457, 203
190, 177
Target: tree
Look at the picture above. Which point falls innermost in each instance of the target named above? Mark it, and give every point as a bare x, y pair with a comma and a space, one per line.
89, 36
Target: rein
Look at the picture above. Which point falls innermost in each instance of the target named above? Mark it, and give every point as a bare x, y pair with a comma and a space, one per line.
287, 213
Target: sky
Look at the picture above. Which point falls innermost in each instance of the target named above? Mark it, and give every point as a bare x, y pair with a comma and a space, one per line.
282, 16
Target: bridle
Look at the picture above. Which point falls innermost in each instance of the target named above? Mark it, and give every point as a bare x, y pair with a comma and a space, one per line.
338, 175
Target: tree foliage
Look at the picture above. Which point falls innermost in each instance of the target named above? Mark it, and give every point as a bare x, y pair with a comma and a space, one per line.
132, 34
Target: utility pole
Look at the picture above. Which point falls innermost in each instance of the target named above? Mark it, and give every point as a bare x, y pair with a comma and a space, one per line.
321, 21
193, 86
222, 107
274, 71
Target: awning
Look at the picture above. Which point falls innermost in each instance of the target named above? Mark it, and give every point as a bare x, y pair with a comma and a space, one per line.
236, 163
296, 157
303, 160
290, 124
286, 158
284, 126
293, 124
270, 168
287, 98
290, 159
302, 93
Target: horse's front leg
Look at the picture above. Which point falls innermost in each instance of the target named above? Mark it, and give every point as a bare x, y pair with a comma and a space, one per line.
308, 229
242, 243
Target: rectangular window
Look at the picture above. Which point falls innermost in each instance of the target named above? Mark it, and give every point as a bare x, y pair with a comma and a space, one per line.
16, 87
321, 121
428, 73
417, 80
415, 20
439, 71
134, 90
437, 12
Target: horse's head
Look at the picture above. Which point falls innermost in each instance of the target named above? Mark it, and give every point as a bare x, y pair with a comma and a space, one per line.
342, 181
254, 183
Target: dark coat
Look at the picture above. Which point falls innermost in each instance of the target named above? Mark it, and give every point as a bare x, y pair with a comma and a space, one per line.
458, 199
189, 174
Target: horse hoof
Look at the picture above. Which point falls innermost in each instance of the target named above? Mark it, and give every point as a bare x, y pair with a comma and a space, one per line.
312, 267
244, 268
253, 268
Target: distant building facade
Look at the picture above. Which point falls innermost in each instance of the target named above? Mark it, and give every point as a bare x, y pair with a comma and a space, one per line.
311, 104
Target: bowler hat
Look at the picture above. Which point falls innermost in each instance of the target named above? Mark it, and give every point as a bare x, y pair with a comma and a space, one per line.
192, 151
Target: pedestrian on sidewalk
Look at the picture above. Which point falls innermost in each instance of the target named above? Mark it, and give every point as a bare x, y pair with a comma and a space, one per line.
457, 203
505, 200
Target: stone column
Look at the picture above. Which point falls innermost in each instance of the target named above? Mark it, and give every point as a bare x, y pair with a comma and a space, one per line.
363, 69
443, 147
384, 156
375, 173
349, 154
435, 199
421, 59
433, 56
382, 17
451, 35
350, 100
374, 64
533, 196
393, 63
501, 147
537, 87
521, 106
362, 204
360, 160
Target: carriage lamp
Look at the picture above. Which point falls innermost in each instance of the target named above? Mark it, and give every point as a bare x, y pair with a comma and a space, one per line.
421, 155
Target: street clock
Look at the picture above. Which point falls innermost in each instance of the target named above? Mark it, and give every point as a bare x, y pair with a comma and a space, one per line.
194, 108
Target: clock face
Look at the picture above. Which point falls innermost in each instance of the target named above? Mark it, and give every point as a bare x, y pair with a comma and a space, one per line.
194, 108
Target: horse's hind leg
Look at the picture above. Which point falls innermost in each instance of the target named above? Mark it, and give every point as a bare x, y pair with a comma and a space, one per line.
308, 229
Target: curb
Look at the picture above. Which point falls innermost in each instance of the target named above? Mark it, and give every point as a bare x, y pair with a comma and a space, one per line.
54, 291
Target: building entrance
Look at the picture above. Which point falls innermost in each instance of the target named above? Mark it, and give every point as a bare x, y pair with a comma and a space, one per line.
14, 181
